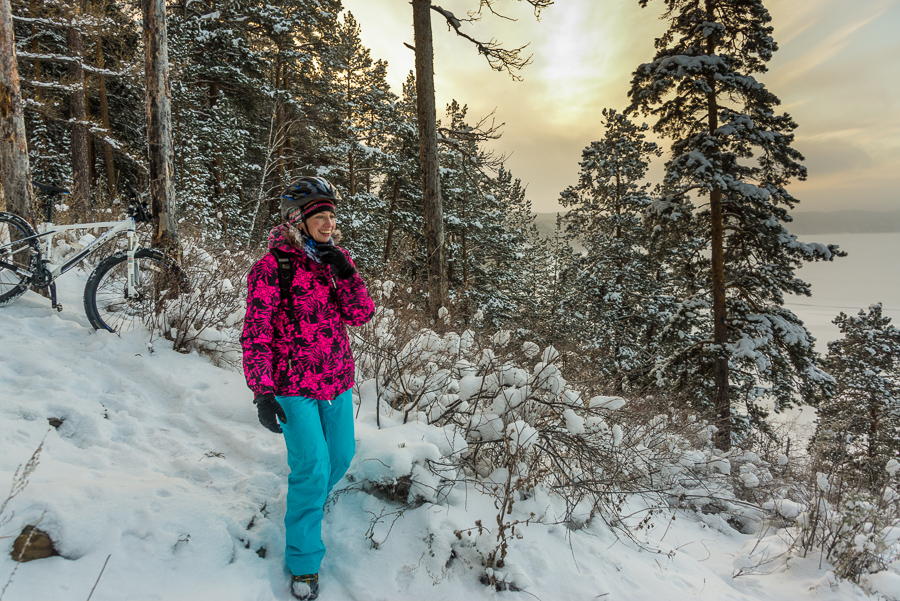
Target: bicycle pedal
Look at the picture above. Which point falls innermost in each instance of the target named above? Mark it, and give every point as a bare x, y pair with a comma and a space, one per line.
59, 307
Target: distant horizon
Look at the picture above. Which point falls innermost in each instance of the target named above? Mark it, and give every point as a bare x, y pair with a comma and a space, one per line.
793, 212
839, 221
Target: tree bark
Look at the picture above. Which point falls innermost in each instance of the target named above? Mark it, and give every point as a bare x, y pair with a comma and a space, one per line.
721, 401
14, 171
159, 125
218, 167
428, 156
108, 157
390, 233
81, 164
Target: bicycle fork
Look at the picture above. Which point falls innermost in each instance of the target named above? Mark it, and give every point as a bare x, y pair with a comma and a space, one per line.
131, 287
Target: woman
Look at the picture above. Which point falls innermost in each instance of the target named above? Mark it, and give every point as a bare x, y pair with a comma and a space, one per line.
298, 363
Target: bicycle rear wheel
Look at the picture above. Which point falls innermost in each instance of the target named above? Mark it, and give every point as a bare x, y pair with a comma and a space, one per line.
107, 303
16, 251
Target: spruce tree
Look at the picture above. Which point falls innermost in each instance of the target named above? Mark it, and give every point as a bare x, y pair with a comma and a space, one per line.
354, 160
616, 294
732, 158
859, 427
69, 55
402, 189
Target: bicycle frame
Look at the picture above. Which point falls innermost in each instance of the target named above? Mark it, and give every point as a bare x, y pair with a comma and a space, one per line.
116, 229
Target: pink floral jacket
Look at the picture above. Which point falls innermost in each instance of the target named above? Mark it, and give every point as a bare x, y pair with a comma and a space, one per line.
310, 355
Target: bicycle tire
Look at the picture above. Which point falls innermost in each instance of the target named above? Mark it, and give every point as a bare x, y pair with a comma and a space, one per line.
25, 254
105, 295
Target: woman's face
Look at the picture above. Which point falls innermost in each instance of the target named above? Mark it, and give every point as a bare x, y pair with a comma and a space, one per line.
320, 226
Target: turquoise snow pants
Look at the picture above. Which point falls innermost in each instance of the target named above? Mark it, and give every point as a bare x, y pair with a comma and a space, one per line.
320, 446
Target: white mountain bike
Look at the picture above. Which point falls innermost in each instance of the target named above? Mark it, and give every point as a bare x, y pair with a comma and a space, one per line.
122, 291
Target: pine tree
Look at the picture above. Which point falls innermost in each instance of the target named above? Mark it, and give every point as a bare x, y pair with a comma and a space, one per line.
859, 427
500, 59
732, 151
355, 160
402, 187
69, 56
616, 292
523, 265
220, 101
482, 251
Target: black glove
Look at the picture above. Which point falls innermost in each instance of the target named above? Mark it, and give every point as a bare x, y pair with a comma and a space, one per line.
340, 264
270, 412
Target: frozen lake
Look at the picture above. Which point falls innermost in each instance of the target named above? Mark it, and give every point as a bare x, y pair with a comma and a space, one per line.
866, 275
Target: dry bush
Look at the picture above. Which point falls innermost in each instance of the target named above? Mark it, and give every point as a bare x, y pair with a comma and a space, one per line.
528, 431
854, 527
208, 317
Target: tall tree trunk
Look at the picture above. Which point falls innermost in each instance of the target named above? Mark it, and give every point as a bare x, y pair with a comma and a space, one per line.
428, 156
159, 125
351, 188
108, 157
218, 166
14, 171
81, 164
721, 402
390, 233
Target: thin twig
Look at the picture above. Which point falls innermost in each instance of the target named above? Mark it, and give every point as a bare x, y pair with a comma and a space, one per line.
98, 577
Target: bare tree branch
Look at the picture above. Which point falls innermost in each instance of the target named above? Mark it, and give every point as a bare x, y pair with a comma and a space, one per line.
538, 5
499, 58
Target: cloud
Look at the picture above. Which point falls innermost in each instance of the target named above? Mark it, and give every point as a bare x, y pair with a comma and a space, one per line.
836, 70
831, 46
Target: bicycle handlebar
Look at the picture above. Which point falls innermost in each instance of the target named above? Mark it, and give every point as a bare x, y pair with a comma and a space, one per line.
139, 209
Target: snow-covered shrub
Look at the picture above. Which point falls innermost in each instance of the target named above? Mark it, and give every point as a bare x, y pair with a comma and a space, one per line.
856, 529
526, 432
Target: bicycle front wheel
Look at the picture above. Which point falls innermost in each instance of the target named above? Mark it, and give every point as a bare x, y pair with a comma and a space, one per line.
106, 300
19, 249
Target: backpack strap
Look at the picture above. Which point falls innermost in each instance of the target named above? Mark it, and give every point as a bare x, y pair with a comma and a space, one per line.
285, 280
285, 272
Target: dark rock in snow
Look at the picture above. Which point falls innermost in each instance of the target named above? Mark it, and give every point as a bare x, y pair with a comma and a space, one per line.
33, 543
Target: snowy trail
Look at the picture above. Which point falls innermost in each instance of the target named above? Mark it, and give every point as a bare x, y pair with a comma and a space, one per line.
161, 466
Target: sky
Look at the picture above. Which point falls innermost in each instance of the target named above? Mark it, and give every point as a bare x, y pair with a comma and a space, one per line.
837, 73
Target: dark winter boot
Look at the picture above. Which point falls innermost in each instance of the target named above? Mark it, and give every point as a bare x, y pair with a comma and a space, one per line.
305, 587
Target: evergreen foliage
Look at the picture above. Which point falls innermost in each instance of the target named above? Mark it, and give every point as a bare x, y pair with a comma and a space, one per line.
618, 296
355, 159
263, 93
731, 160
859, 427
110, 57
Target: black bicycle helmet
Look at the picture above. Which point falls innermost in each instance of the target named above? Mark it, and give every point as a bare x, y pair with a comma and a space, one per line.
302, 194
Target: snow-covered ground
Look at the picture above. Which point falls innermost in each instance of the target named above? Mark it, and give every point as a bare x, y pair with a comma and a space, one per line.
161, 466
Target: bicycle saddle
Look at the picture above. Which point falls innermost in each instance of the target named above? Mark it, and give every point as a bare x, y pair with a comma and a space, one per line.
49, 189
